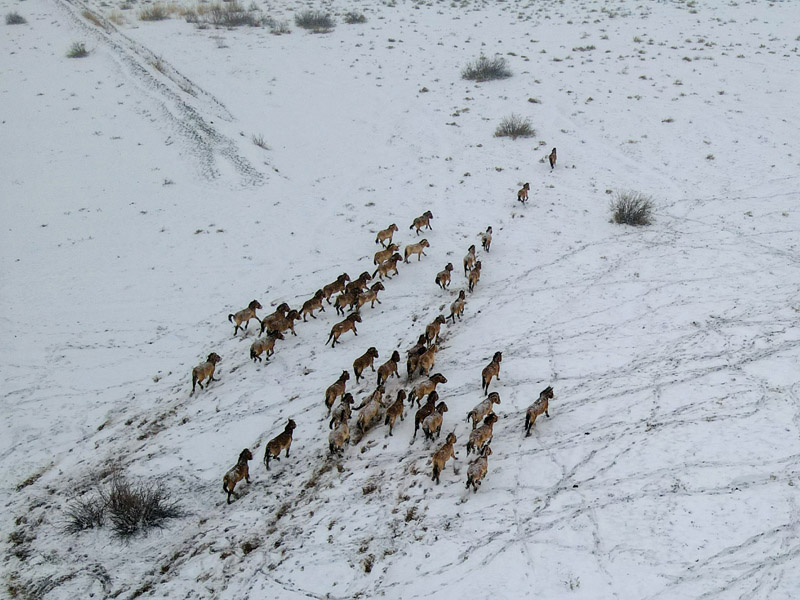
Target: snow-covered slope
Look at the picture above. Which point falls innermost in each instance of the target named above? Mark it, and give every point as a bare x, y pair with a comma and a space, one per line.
140, 213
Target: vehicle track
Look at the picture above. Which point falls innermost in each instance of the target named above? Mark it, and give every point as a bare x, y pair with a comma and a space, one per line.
185, 109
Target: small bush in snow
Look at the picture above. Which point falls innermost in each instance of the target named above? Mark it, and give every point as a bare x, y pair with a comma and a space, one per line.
116, 17
229, 14
258, 140
132, 508
14, 18
77, 50
514, 127
279, 27
157, 12
85, 514
486, 69
233, 14
632, 208
315, 21
354, 18
93, 18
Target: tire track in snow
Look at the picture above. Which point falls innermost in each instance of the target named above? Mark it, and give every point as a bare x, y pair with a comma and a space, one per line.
180, 102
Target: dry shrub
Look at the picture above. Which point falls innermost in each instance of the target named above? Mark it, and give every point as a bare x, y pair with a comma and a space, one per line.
132, 508
116, 17
514, 127
632, 208
278, 27
157, 12
85, 514
259, 141
233, 14
315, 21
14, 18
354, 18
93, 18
77, 50
486, 69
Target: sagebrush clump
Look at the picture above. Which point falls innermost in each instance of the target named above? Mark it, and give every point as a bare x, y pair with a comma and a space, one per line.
128, 508
315, 21
156, 12
278, 27
132, 508
486, 69
233, 14
77, 50
85, 514
632, 208
514, 127
14, 18
228, 14
353, 18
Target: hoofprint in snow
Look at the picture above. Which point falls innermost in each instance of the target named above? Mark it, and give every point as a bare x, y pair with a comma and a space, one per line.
140, 213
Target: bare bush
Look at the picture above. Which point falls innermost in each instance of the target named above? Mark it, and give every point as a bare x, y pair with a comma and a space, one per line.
258, 140
85, 514
227, 14
77, 50
132, 508
486, 69
514, 127
233, 14
632, 208
116, 17
315, 21
354, 18
14, 18
279, 27
156, 12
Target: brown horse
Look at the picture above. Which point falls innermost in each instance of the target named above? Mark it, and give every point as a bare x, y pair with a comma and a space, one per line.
522, 195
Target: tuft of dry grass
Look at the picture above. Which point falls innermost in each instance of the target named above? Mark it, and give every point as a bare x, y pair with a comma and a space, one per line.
116, 17
14, 18
226, 14
158, 64
77, 50
128, 508
632, 208
315, 21
354, 18
514, 126
93, 18
258, 140
156, 12
486, 69
279, 27
85, 514
133, 508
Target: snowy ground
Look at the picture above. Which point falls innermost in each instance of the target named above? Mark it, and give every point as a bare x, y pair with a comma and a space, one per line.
139, 214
